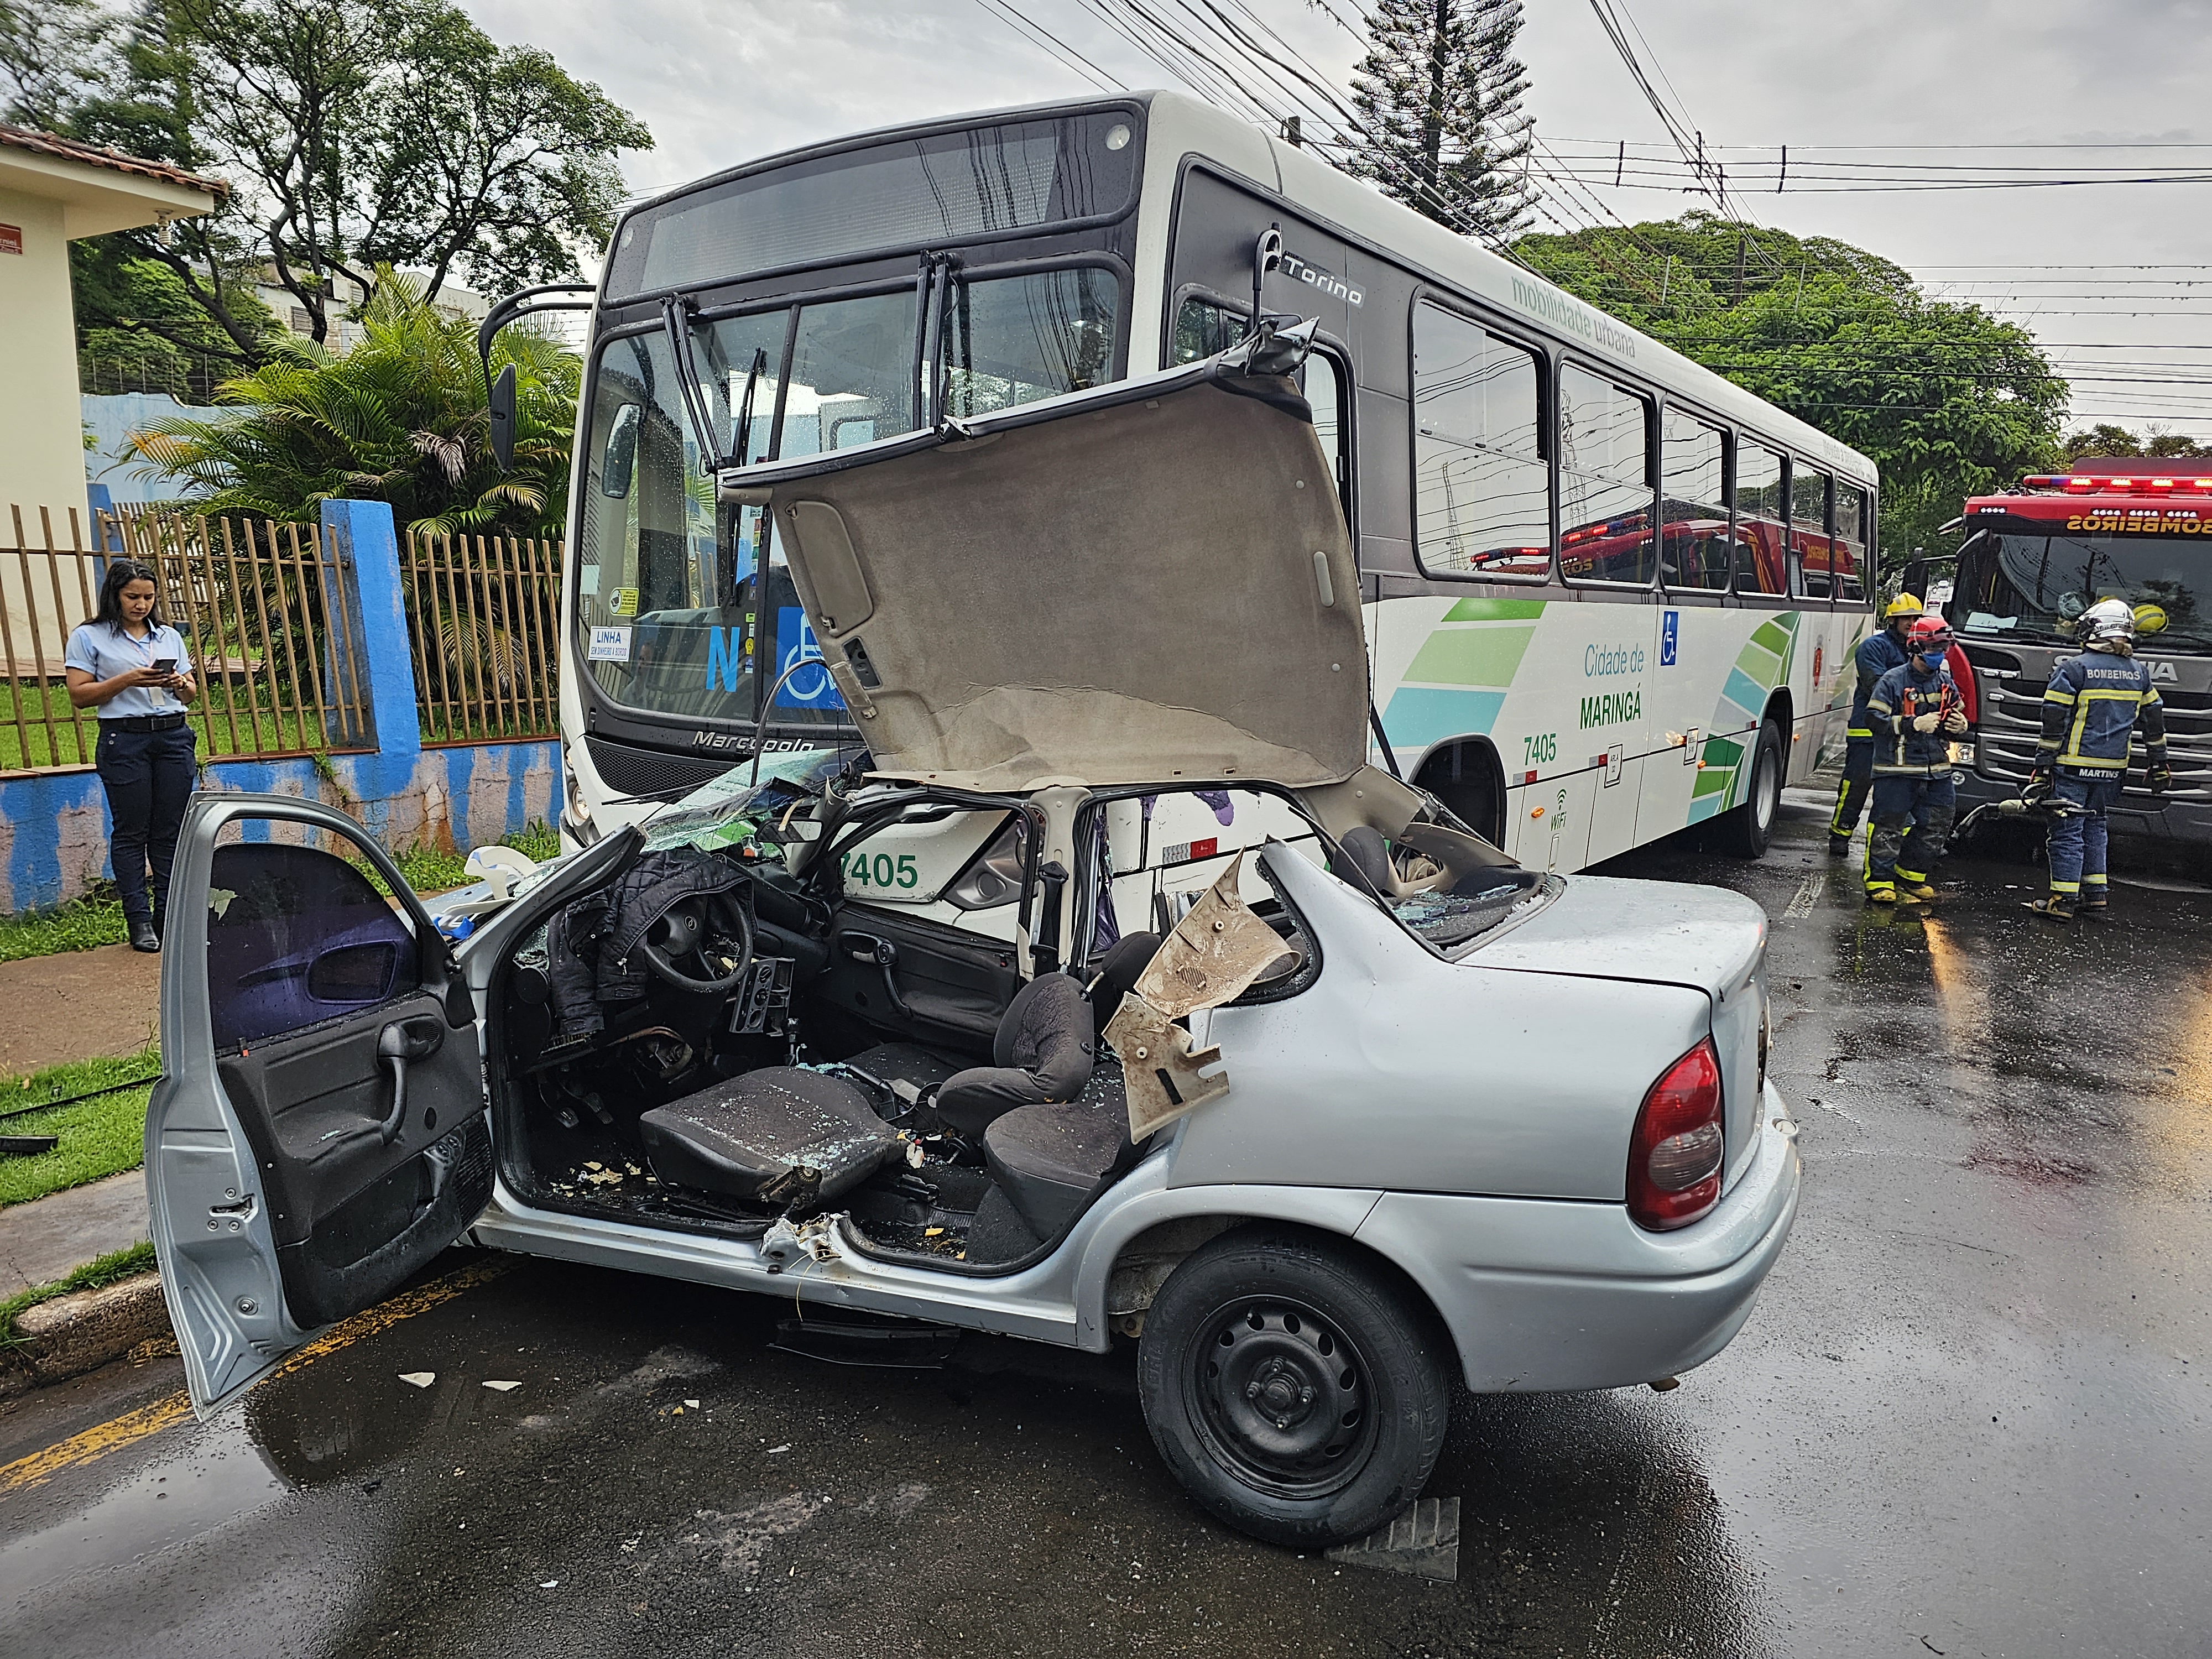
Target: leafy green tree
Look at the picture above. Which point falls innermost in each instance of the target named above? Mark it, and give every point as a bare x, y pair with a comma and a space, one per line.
149, 332
1439, 94
2105, 438
400, 418
1948, 400
45, 48
353, 137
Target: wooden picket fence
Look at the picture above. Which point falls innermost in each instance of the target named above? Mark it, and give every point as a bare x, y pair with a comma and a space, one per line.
266, 611
484, 612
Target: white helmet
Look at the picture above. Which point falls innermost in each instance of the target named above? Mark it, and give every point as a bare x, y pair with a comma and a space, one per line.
2110, 625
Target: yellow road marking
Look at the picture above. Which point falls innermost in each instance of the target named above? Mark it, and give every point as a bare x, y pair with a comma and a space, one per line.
92, 1444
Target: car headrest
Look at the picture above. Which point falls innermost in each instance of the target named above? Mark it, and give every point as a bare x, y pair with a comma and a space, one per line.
1114, 975
1365, 863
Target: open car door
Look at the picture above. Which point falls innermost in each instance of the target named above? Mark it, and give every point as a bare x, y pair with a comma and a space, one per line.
320, 1131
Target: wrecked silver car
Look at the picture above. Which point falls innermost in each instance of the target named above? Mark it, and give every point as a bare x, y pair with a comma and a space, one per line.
1111, 996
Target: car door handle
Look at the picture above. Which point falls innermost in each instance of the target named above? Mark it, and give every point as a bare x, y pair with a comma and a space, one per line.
414, 1038
866, 947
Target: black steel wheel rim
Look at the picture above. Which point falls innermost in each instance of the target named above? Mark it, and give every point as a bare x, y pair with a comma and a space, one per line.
1281, 1398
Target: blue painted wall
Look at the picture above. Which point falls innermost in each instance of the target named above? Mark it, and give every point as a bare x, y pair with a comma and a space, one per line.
53, 827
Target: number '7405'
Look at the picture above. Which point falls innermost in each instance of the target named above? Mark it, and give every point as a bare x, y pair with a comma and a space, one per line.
863, 869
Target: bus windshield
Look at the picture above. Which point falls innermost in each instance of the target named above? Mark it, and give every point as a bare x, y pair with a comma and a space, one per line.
2032, 587
678, 602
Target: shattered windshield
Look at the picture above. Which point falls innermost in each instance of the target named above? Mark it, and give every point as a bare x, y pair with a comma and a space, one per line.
735, 809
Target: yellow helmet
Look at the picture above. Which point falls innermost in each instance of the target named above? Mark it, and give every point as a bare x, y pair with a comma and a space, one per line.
1905, 606
2150, 618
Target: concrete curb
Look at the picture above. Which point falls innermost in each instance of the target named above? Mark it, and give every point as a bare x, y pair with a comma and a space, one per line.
81, 1331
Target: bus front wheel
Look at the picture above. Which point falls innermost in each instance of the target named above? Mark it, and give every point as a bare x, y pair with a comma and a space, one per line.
1746, 832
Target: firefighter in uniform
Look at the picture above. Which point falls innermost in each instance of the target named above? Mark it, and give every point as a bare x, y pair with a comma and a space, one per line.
1915, 710
1878, 653
2089, 715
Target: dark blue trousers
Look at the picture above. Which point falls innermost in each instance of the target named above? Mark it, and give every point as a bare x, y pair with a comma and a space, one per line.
148, 777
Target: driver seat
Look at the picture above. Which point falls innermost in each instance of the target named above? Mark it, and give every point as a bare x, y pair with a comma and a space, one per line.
783, 1136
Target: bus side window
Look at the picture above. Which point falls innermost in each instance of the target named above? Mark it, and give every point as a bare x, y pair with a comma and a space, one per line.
1481, 484
1605, 482
1759, 520
1851, 538
1808, 530
1204, 329
1693, 506
1323, 381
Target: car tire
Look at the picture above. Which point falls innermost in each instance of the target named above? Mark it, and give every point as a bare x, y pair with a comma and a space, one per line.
1746, 832
1298, 1392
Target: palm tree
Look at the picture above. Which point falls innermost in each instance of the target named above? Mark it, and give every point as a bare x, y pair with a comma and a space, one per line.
401, 418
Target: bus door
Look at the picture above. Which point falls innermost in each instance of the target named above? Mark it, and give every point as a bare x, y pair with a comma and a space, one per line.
1608, 469
1692, 630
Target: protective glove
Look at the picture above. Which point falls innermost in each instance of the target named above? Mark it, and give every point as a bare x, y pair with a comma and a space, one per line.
2159, 776
1955, 723
1926, 722
2039, 785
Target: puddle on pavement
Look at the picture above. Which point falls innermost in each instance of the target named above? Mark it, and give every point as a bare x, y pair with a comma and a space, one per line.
215, 1475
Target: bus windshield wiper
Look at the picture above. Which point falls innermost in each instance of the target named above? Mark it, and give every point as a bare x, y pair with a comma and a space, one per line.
744, 444
675, 321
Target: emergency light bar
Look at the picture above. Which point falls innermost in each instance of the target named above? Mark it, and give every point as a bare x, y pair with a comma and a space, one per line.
2074, 485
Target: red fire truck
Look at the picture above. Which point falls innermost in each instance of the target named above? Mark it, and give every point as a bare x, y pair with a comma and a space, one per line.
2031, 561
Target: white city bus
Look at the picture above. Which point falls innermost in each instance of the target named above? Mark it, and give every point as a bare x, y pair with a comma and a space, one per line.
1609, 593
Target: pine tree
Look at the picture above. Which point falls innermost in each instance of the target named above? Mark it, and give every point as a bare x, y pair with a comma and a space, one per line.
1439, 94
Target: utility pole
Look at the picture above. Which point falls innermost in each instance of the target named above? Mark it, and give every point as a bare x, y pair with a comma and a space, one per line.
1743, 242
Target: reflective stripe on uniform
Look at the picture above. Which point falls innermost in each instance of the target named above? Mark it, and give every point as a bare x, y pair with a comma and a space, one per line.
2069, 888
2054, 694
1905, 874
2073, 755
2097, 880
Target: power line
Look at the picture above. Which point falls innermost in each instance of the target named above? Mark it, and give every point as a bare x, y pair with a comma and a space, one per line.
1061, 53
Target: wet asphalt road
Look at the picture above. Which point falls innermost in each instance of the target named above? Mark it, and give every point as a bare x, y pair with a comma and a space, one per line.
1972, 1414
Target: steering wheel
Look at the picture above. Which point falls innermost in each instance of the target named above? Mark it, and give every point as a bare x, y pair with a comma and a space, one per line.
682, 933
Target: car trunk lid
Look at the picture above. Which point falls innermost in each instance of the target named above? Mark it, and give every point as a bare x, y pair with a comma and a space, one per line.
1603, 927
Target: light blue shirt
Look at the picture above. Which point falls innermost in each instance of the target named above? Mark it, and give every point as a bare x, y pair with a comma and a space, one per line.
104, 651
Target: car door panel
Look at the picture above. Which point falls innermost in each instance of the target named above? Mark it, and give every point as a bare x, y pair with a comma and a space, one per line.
315, 1104
319, 1134
950, 985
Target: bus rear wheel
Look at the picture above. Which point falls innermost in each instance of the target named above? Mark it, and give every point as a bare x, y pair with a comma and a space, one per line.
1746, 832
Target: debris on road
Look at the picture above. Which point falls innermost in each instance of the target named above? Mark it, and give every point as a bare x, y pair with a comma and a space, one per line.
419, 1379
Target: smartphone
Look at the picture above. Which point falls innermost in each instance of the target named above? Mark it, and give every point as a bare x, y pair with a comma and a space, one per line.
165, 665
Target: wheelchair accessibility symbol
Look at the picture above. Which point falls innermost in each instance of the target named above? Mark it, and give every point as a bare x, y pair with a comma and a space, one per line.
809, 686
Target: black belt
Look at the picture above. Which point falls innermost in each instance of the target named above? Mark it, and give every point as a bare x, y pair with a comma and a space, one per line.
142, 723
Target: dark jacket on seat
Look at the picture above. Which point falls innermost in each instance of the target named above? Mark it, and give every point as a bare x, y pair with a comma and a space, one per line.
589, 946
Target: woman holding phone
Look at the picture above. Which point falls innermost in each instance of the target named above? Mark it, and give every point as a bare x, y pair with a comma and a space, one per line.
130, 664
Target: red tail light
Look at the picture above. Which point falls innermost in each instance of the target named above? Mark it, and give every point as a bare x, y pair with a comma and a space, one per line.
1674, 1156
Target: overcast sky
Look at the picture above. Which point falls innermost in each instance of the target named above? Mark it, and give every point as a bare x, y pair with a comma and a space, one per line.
723, 80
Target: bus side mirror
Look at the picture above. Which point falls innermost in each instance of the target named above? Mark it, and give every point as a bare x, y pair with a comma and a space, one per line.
500, 404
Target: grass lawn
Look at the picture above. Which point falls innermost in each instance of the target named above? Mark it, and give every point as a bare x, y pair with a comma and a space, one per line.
429, 870
102, 1136
77, 926
97, 919
76, 731
110, 1269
